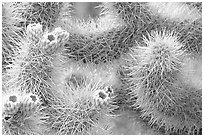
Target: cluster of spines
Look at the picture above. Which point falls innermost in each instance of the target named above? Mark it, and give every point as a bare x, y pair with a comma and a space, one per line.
32, 59
136, 20
145, 17
80, 108
99, 49
17, 16
187, 23
31, 67
99, 46
86, 88
11, 32
130, 30
155, 87
22, 114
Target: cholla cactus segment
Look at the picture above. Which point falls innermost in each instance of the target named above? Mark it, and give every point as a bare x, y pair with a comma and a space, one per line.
98, 49
32, 64
155, 66
29, 72
22, 115
95, 40
76, 111
155, 86
184, 117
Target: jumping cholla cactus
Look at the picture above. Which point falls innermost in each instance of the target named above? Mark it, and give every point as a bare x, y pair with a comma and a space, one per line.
30, 73
30, 68
158, 90
91, 41
83, 108
22, 114
64, 69
101, 40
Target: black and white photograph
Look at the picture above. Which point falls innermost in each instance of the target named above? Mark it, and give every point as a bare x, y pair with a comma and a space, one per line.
101, 68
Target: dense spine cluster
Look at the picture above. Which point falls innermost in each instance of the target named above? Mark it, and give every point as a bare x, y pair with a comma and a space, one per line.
32, 64
98, 44
70, 68
31, 71
22, 114
156, 87
185, 20
134, 21
11, 32
83, 108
